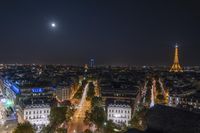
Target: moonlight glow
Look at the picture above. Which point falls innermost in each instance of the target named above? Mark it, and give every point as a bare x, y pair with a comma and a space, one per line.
53, 25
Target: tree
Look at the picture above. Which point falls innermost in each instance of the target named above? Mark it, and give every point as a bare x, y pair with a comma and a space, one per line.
79, 92
139, 119
24, 128
87, 131
109, 127
61, 130
69, 113
56, 115
56, 118
87, 118
160, 98
96, 101
90, 93
97, 116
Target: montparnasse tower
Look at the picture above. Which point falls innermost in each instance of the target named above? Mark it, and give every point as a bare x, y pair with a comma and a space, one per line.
176, 66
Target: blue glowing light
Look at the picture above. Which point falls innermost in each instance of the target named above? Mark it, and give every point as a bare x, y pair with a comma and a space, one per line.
37, 90
15, 89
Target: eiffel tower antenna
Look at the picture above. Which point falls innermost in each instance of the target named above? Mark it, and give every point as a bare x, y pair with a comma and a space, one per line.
176, 66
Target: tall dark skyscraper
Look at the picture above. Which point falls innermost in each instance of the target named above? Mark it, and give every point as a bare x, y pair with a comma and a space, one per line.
91, 62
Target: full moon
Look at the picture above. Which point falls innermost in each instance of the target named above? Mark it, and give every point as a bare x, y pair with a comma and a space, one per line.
53, 25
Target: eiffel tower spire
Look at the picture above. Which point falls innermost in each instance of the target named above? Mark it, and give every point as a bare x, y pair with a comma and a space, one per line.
176, 66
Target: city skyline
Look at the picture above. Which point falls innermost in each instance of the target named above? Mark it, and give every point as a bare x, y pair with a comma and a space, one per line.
112, 32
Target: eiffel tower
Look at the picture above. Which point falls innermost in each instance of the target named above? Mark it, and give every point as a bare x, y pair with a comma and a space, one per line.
176, 66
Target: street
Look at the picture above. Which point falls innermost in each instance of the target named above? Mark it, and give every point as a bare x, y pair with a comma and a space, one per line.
77, 125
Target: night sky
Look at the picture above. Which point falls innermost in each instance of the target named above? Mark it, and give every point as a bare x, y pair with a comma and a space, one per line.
112, 32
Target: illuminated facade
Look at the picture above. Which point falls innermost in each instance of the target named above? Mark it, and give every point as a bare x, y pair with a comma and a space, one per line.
10, 90
63, 93
176, 66
119, 113
36, 114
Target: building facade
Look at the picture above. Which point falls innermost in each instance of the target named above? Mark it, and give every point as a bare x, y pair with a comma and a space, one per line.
63, 93
119, 113
37, 115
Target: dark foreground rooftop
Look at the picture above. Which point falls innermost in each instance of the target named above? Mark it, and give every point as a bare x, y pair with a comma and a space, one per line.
163, 119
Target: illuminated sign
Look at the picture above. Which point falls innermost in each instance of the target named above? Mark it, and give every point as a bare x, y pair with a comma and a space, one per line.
37, 90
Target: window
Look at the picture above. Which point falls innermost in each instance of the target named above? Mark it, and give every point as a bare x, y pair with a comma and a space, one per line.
29, 112
26, 112
112, 110
44, 111
33, 112
40, 111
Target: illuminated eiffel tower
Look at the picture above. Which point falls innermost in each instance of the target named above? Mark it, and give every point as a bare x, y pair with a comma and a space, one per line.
176, 66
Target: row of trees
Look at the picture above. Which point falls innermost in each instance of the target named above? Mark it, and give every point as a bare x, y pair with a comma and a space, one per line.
97, 114
24, 128
58, 116
90, 92
79, 93
139, 119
